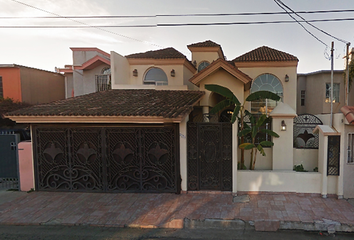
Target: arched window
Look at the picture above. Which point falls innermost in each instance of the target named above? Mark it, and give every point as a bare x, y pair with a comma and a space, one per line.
155, 76
266, 82
203, 65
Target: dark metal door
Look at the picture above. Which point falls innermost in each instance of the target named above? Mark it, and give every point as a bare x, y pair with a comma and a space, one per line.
8, 161
209, 156
333, 155
119, 159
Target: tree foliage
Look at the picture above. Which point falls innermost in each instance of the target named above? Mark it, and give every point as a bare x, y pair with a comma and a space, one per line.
8, 105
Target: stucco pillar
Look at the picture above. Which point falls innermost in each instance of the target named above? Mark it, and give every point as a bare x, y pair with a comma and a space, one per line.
342, 156
183, 152
322, 163
25, 163
205, 112
324, 131
282, 151
234, 157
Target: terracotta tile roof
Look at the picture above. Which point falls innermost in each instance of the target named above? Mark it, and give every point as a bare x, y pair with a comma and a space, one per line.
207, 43
265, 54
348, 112
158, 54
119, 102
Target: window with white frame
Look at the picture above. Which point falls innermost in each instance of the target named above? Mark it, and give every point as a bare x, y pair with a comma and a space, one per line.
155, 76
266, 82
350, 148
335, 92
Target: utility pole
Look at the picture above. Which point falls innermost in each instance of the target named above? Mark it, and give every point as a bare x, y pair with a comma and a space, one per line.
347, 77
331, 98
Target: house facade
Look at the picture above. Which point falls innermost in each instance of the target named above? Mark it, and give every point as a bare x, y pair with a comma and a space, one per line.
153, 132
30, 85
314, 90
90, 72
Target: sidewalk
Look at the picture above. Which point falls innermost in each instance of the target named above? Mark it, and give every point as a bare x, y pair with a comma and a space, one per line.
264, 212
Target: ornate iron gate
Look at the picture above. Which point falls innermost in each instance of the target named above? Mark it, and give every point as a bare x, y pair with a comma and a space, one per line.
107, 159
333, 155
304, 124
209, 156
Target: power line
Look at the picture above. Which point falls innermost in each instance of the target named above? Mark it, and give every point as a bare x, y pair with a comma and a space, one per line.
178, 24
300, 24
87, 25
184, 15
343, 41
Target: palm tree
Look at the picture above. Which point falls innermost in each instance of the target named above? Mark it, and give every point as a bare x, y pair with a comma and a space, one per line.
253, 130
239, 110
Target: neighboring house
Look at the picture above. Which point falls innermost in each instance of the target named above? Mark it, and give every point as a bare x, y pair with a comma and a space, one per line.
153, 131
90, 72
30, 85
314, 90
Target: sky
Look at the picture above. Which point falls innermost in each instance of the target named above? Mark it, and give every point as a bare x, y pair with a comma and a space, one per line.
47, 48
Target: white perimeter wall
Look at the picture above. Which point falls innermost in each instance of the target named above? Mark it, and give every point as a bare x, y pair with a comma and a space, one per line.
279, 181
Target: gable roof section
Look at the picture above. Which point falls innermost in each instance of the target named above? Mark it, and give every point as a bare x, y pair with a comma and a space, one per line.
166, 53
215, 66
114, 106
348, 112
206, 46
266, 57
206, 43
265, 54
93, 62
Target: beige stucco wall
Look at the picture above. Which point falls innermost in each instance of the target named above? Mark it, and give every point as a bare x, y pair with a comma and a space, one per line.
143, 69
278, 181
307, 157
80, 57
262, 162
204, 56
348, 168
85, 80
69, 85
39, 86
224, 79
119, 70
315, 86
289, 88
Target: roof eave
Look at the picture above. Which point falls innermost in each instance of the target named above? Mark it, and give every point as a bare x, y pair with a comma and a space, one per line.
95, 119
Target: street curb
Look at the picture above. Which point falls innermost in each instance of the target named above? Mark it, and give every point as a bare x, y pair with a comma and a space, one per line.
324, 225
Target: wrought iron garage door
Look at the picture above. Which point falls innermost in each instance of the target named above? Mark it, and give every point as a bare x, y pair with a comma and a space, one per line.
107, 159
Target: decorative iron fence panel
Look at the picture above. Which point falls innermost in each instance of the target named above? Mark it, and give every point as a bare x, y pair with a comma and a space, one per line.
333, 155
209, 156
304, 124
109, 159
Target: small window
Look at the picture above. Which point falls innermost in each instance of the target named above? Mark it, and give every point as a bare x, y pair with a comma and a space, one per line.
1, 89
155, 76
350, 148
302, 97
335, 92
203, 65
